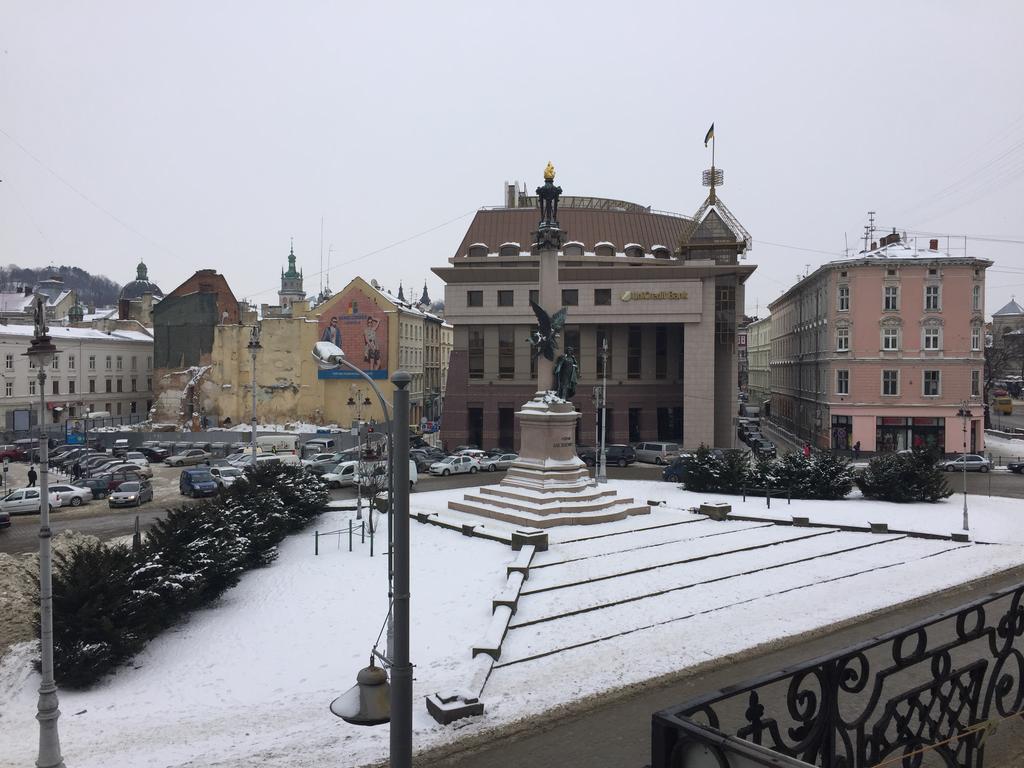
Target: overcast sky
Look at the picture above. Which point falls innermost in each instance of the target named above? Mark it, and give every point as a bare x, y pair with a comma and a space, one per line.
206, 134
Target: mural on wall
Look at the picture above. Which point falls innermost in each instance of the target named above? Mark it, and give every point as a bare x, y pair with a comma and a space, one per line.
357, 325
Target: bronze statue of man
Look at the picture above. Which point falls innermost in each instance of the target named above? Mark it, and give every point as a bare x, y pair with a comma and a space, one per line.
566, 375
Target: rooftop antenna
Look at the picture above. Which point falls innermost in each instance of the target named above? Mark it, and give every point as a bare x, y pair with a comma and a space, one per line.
714, 177
867, 237
846, 244
327, 276
871, 223
321, 255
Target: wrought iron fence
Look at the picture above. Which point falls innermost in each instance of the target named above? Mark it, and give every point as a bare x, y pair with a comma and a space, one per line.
925, 695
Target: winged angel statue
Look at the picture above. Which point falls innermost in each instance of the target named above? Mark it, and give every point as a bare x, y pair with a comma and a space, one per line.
544, 340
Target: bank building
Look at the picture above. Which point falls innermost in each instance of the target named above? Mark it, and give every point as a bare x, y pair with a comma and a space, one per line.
660, 292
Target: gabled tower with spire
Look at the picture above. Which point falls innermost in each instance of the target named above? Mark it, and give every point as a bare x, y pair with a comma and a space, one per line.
425, 298
291, 283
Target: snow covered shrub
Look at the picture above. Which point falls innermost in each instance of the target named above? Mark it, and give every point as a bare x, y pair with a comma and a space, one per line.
819, 476
93, 612
302, 494
831, 477
727, 473
903, 478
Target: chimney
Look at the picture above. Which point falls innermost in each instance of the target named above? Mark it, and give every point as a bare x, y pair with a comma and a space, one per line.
933, 245
874, 245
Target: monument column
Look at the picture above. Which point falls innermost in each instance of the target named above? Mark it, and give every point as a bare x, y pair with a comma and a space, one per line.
550, 295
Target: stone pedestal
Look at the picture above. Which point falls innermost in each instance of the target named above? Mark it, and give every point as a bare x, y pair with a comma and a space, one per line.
548, 485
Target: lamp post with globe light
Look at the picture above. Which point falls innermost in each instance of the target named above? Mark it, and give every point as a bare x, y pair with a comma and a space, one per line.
41, 353
254, 347
965, 414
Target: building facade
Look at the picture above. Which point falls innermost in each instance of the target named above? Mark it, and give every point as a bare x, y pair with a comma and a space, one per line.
881, 350
664, 292
759, 342
93, 371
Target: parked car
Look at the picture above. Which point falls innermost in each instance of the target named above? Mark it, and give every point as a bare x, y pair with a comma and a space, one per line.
11, 452
197, 482
454, 465
656, 453
226, 476
153, 453
26, 501
188, 457
620, 455
143, 468
119, 476
501, 461
675, 472
972, 461
1016, 466
763, 448
5, 519
131, 494
72, 495
343, 475
99, 485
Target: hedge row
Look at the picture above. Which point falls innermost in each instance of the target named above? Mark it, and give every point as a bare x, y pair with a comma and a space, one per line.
896, 477
110, 600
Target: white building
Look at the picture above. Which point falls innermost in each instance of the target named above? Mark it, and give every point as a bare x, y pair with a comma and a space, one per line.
93, 371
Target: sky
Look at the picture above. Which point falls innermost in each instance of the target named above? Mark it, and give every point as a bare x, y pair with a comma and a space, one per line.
206, 134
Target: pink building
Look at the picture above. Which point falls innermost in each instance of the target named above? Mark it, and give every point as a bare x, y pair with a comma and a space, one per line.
882, 349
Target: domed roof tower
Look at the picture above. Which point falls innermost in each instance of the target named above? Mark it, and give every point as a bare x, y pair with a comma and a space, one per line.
140, 285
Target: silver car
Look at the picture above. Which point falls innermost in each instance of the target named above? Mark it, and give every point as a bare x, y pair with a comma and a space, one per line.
188, 458
72, 495
502, 461
971, 461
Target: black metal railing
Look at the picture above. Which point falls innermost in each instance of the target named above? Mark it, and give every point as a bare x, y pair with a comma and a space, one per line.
925, 695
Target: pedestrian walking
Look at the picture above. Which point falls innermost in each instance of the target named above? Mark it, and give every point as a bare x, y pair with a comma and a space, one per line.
807, 450
32, 476
76, 470
856, 450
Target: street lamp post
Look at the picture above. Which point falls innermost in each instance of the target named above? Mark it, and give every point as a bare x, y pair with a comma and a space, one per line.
254, 347
41, 352
965, 414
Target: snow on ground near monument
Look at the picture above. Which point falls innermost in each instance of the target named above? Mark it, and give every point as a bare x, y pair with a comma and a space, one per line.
249, 681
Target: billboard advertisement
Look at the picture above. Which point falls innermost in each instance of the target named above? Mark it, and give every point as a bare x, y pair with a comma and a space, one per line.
357, 325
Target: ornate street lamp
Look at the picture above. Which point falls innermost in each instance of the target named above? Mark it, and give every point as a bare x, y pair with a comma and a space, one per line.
254, 347
41, 352
965, 414
602, 469
369, 683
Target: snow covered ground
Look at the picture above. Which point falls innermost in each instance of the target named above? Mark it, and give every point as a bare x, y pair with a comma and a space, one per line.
248, 682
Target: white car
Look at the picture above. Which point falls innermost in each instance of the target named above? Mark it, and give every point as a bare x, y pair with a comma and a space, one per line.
26, 500
494, 463
130, 466
188, 458
343, 475
454, 465
226, 476
72, 495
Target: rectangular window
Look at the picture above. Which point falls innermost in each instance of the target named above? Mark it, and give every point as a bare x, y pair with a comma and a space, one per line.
149, 384
120, 363
134, 407
92, 362
931, 298
975, 383
149, 362
602, 297
843, 304
890, 382
660, 352
505, 298
931, 338
890, 338
55, 363
119, 405
135, 384
976, 298
842, 382
31, 386
71, 387
602, 337
110, 385
9, 362
474, 298
930, 383
120, 384
506, 350
92, 386
56, 387
570, 297
9, 388
890, 302
975, 339
71, 362
535, 296
634, 351
109, 362
135, 362
476, 353
842, 339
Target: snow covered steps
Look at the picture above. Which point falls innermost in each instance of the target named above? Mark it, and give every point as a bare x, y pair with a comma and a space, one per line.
465, 702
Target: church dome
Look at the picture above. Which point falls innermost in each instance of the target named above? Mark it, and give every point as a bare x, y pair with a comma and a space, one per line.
140, 285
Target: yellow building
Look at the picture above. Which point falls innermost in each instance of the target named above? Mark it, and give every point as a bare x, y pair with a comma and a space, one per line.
378, 333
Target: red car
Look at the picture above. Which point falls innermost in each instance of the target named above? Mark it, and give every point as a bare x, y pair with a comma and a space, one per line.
12, 452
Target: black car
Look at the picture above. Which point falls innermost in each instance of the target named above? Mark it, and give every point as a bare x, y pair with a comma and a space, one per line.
99, 485
676, 471
614, 454
1016, 466
152, 453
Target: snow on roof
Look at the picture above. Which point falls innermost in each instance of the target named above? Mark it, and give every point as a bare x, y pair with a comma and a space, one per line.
14, 302
61, 332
